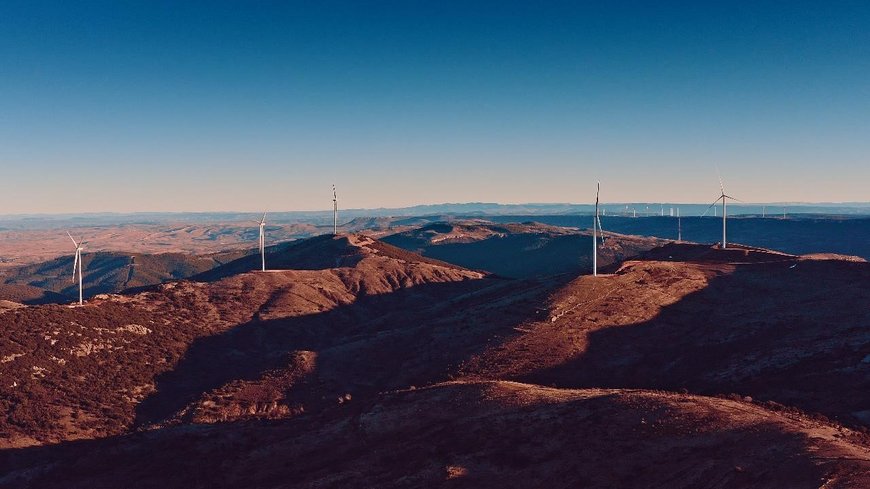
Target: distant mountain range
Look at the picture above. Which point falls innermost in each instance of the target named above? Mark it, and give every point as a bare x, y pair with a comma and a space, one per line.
472, 209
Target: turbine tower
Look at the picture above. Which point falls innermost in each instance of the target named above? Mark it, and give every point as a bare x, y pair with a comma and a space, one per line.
262, 224
679, 227
724, 198
334, 211
77, 265
596, 224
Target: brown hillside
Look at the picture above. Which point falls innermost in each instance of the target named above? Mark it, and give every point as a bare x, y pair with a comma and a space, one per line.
772, 326
73, 372
490, 434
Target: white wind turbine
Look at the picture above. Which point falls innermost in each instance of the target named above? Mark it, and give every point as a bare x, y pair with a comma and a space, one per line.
262, 224
679, 227
77, 265
724, 198
334, 211
596, 224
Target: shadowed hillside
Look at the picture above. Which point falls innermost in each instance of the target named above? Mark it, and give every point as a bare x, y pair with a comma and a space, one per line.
73, 372
772, 326
517, 250
488, 434
796, 234
28, 294
318, 253
106, 272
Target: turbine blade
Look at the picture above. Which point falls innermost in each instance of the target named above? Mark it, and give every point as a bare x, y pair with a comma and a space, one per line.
75, 264
600, 229
733, 198
73, 240
263, 221
712, 205
721, 185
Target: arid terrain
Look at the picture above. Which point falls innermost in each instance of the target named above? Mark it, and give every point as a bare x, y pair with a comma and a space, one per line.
357, 362
29, 246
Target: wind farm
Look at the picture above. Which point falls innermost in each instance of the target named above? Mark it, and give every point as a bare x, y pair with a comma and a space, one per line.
469, 315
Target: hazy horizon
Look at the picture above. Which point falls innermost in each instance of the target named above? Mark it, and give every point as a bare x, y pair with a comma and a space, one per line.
166, 107
494, 208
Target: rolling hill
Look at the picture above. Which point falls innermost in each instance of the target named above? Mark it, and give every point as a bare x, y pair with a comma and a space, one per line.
517, 250
355, 363
126, 360
776, 327
104, 272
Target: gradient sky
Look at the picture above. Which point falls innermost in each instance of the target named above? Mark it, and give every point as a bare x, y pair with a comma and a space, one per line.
249, 105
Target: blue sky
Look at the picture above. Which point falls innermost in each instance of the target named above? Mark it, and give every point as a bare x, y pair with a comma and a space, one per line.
198, 106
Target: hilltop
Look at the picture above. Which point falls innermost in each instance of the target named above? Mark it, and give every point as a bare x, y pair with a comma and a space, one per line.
318, 253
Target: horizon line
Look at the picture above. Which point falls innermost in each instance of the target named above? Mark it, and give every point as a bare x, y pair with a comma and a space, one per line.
856, 204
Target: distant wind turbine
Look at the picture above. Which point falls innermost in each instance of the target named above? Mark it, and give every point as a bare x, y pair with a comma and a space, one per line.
679, 228
724, 198
334, 211
262, 242
77, 264
596, 223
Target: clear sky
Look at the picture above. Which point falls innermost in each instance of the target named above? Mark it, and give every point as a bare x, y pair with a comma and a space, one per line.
249, 105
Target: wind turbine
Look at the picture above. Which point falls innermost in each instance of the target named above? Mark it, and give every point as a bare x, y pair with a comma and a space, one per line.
77, 264
679, 229
262, 224
334, 211
724, 198
596, 223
